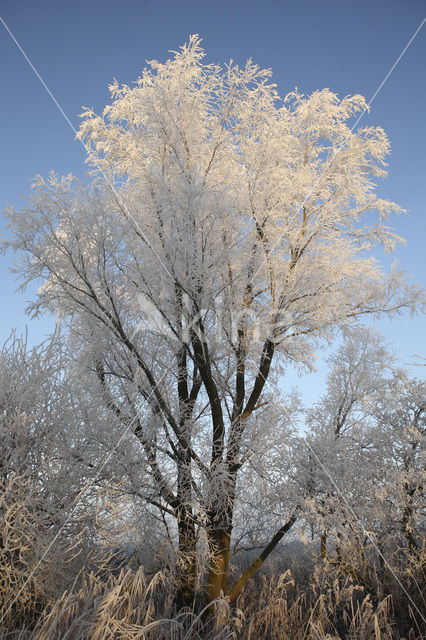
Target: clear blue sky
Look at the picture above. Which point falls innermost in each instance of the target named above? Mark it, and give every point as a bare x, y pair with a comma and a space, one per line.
78, 47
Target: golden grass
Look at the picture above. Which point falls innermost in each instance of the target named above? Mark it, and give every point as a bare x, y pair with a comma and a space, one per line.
128, 607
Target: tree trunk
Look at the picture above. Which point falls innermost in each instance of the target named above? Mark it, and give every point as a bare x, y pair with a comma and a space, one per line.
323, 553
219, 543
186, 563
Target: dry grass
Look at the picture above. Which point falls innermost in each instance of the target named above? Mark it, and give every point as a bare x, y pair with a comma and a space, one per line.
128, 607
309, 598
26, 584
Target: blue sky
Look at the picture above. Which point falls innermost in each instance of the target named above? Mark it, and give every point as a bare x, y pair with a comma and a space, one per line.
78, 47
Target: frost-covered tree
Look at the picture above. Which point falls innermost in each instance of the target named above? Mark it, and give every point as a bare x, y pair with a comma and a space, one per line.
400, 418
226, 232
42, 434
364, 467
342, 454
